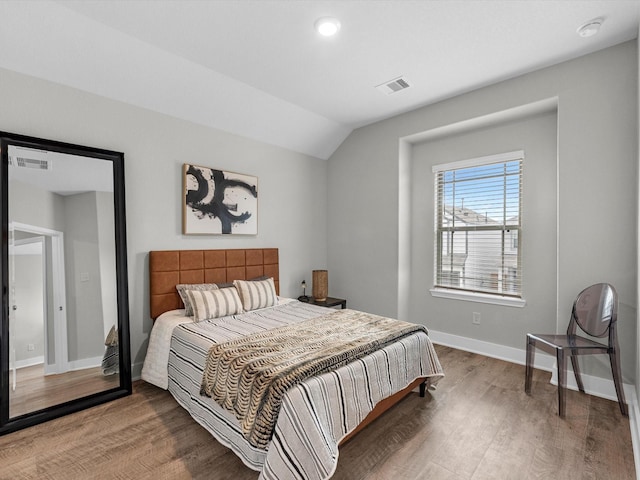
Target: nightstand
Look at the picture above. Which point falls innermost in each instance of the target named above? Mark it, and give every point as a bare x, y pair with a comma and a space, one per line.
330, 302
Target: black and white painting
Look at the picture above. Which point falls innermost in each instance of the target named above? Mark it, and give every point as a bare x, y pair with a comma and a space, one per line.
219, 202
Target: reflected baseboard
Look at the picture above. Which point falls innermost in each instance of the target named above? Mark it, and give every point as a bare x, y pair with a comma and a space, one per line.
85, 363
74, 365
29, 362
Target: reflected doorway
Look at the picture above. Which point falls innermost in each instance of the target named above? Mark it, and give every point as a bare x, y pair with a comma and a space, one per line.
28, 300
38, 337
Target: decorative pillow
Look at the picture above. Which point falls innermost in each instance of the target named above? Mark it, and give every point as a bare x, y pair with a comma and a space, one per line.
214, 303
257, 294
183, 287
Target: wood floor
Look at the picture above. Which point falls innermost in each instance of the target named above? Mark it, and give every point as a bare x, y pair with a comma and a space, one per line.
35, 391
478, 424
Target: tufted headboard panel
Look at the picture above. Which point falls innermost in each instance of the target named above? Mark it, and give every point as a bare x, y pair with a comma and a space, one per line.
168, 268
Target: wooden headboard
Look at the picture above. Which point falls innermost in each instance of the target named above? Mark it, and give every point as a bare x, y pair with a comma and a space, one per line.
168, 268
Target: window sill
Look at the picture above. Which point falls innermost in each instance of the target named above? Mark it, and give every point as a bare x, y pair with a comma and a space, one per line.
478, 297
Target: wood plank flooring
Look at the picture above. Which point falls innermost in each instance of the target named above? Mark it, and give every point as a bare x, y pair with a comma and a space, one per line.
479, 424
35, 391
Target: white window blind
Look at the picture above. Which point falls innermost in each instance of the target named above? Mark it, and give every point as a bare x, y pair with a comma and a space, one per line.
478, 225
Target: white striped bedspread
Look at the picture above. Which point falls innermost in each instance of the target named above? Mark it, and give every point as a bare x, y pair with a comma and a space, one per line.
316, 414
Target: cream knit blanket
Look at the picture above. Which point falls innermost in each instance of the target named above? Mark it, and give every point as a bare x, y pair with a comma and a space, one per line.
249, 376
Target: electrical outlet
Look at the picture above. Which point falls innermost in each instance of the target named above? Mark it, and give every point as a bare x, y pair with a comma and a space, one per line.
31, 347
476, 318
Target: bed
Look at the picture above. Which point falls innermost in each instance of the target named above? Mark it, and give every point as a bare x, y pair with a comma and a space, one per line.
314, 416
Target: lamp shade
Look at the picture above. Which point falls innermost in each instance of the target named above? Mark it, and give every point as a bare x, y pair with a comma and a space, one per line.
320, 285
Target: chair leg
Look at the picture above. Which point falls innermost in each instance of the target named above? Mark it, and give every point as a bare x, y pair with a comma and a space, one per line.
576, 372
562, 381
617, 380
529, 364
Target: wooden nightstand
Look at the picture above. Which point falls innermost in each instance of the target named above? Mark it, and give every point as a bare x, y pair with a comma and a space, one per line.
329, 302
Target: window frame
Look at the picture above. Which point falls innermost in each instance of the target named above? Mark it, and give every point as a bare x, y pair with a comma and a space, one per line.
470, 294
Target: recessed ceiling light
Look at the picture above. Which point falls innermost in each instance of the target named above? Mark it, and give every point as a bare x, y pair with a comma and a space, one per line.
590, 28
327, 26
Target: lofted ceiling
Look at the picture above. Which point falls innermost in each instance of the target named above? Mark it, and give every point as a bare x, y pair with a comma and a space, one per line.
257, 68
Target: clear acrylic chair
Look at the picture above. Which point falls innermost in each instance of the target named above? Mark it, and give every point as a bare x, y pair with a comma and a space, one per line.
595, 312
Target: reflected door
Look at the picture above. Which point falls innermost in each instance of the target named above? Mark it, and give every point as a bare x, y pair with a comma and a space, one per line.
27, 264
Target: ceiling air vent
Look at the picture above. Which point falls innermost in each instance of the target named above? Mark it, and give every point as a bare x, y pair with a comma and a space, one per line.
30, 158
393, 86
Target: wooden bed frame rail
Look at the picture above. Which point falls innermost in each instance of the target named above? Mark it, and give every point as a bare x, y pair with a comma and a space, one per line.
385, 405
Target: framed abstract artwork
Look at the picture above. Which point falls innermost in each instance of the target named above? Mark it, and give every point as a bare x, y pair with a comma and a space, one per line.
218, 202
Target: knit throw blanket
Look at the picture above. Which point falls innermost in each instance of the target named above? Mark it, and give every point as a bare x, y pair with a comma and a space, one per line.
250, 375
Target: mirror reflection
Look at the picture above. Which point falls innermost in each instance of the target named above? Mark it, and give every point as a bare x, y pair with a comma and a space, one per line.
63, 315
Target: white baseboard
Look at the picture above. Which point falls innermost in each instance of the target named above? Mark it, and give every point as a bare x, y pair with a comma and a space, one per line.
634, 416
136, 372
85, 363
73, 365
29, 362
599, 387
488, 349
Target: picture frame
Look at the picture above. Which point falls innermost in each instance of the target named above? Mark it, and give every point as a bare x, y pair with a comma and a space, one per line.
218, 202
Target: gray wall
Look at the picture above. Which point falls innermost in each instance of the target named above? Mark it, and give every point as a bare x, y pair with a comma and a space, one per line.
596, 205
106, 245
638, 227
86, 249
37, 207
85, 324
292, 201
30, 302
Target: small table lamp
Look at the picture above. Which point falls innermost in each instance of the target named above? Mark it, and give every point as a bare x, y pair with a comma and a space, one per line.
303, 297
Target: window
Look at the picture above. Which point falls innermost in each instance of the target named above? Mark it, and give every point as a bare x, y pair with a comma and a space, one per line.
478, 228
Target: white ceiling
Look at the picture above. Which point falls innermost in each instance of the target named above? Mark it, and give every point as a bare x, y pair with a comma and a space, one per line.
258, 69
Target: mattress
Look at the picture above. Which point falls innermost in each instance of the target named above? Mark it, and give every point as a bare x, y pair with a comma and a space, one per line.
315, 415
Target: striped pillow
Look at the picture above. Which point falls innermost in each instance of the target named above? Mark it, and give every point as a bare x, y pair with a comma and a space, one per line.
256, 294
183, 287
214, 303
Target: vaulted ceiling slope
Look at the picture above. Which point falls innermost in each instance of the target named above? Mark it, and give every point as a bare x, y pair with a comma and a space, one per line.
257, 68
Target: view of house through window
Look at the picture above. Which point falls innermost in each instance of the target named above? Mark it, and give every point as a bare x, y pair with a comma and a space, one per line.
478, 212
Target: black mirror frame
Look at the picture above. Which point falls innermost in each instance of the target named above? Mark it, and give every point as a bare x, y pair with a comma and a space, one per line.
7, 424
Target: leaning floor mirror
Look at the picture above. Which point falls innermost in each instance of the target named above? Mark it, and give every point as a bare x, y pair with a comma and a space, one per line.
64, 338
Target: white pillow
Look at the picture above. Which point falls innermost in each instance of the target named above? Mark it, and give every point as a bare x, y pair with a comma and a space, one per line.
214, 303
183, 287
256, 294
